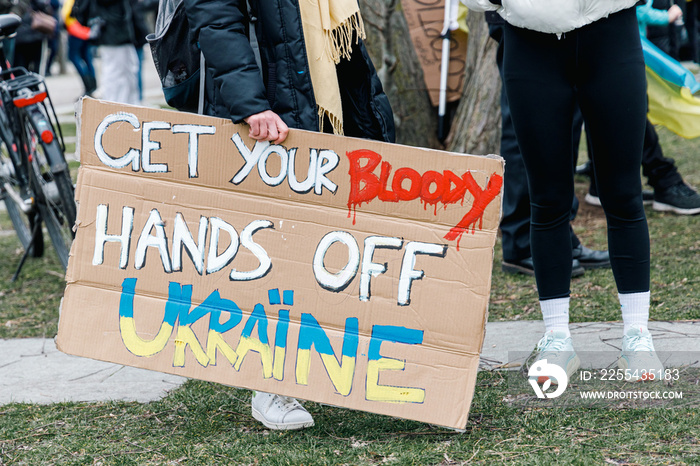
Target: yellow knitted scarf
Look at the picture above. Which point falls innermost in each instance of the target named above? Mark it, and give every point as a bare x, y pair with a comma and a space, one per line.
329, 27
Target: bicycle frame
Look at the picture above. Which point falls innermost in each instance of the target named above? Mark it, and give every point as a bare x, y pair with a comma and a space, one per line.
23, 90
34, 140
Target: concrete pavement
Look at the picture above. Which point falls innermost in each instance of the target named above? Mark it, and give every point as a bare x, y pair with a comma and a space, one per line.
598, 344
34, 371
66, 89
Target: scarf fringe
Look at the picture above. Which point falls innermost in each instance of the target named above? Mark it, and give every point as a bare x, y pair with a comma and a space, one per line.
336, 122
338, 41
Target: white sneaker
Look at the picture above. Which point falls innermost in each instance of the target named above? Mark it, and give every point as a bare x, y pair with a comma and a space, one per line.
280, 412
557, 348
639, 360
592, 200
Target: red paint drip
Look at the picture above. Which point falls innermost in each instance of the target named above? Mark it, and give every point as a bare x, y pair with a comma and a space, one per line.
481, 200
365, 186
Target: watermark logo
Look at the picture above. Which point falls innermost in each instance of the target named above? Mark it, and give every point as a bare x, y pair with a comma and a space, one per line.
543, 373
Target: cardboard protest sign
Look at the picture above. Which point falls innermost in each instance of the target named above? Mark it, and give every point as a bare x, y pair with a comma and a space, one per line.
340, 270
425, 20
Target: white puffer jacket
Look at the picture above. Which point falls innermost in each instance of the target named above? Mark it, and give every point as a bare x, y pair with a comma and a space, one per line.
551, 16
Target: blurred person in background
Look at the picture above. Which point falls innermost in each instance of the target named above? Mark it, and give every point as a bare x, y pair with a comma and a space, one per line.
671, 193
80, 48
19, 8
53, 42
661, 21
692, 14
647, 15
119, 30
31, 42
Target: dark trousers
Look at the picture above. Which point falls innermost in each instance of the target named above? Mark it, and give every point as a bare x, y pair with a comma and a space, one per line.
692, 12
600, 69
80, 54
661, 172
515, 224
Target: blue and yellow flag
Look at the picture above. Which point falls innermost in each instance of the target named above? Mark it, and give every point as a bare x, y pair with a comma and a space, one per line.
671, 88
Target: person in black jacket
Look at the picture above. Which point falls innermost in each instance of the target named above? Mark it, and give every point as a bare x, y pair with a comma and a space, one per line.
667, 36
239, 89
312, 74
18, 7
692, 17
29, 43
120, 31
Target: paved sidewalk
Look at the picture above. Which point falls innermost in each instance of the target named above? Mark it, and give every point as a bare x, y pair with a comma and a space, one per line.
598, 344
66, 89
34, 371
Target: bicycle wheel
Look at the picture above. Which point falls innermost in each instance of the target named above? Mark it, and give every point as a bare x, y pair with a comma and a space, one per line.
15, 193
52, 184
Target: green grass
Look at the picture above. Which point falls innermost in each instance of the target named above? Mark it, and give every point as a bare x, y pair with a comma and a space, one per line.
206, 423
29, 305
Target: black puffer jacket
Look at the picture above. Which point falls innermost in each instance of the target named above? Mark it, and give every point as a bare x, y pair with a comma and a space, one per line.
25, 33
121, 20
237, 88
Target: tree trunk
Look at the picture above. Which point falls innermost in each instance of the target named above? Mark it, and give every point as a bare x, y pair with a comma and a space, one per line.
476, 128
476, 125
392, 52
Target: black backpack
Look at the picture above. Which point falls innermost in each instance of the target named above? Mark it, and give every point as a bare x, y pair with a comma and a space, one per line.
177, 58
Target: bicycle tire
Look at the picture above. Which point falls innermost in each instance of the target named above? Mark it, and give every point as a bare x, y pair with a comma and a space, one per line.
23, 222
59, 223
53, 189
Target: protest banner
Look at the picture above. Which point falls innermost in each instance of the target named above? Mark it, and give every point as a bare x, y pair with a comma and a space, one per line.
425, 20
345, 271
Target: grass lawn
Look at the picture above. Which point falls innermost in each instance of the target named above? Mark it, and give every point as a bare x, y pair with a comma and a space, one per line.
206, 423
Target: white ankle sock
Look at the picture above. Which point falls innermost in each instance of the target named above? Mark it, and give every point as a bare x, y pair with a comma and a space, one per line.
635, 309
556, 315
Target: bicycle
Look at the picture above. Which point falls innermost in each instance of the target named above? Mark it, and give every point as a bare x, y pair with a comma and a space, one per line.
35, 181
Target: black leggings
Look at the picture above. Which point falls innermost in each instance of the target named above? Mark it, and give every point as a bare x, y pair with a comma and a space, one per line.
600, 67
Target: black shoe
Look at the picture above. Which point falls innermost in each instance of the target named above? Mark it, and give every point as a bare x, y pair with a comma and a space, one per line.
585, 169
679, 198
526, 267
590, 259
90, 83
